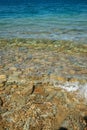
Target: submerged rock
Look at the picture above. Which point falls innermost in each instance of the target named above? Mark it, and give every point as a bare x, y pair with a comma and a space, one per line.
1, 102
3, 79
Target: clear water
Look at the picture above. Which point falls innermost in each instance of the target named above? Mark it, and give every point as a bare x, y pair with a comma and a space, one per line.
48, 19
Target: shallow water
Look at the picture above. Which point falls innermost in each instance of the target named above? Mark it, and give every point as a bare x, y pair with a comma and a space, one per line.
44, 19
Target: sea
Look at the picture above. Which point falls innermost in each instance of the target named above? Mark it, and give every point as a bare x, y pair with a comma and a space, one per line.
44, 19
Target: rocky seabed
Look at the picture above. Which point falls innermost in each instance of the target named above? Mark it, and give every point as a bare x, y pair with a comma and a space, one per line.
43, 85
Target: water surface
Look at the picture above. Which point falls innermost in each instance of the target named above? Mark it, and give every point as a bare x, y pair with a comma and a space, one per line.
48, 19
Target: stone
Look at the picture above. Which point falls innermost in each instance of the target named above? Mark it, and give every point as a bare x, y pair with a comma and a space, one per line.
3, 79
1, 85
1, 127
14, 86
85, 118
1, 102
26, 125
27, 89
39, 90
13, 69
61, 79
72, 72
62, 128
14, 78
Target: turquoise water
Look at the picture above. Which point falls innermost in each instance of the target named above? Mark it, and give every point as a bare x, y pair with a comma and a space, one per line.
43, 19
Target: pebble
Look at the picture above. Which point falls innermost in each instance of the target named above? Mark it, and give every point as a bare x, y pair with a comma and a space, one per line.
3, 79
85, 118
1, 102
62, 128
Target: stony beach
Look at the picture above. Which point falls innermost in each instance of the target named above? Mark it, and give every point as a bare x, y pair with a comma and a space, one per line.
43, 85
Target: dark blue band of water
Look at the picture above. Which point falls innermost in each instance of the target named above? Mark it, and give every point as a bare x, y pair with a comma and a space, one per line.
53, 19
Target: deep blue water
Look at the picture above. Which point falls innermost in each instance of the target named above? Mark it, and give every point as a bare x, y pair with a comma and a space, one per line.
53, 19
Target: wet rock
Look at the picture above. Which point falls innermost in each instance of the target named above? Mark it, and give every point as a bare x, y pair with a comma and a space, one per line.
1, 128
51, 96
27, 124
28, 89
1, 102
73, 121
17, 101
14, 78
13, 69
3, 79
1, 123
62, 128
39, 90
85, 119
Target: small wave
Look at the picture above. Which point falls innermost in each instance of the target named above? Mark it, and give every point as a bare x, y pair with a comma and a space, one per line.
69, 86
74, 87
83, 92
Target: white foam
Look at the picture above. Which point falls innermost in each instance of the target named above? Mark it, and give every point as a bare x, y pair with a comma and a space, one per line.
74, 87
83, 91
69, 86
